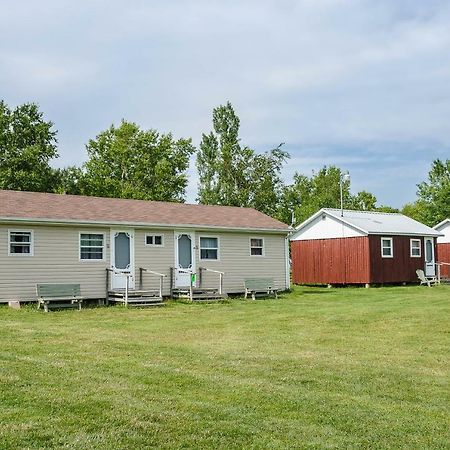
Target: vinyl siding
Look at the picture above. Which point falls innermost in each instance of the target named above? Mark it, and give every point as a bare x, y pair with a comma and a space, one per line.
236, 262
56, 260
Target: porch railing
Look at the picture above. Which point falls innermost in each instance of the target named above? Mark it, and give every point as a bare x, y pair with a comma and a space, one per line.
438, 267
128, 275
152, 272
221, 275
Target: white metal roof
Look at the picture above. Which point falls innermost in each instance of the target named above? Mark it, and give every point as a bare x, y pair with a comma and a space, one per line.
440, 225
371, 222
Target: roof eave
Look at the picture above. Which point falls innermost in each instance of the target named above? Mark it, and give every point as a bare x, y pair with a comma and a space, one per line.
49, 221
444, 222
324, 211
400, 233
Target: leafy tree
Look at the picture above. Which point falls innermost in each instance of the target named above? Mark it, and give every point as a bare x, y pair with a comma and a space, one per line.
70, 180
27, 144
415, 210
128, 162
232, 174
433, 204
306, 195
363, 201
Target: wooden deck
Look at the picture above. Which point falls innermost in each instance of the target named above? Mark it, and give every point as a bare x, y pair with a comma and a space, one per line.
198, 294
135, 297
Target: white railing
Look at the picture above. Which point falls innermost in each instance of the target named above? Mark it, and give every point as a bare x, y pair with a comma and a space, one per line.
126, 274
221, 275
438, 267
160, 275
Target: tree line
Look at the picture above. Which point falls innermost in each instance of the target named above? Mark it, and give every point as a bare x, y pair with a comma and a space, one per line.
126, 161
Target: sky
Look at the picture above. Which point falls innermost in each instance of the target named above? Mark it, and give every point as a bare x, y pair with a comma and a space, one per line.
364, 85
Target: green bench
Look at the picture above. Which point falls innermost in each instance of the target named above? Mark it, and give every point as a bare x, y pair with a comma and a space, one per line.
260, 286
59, 296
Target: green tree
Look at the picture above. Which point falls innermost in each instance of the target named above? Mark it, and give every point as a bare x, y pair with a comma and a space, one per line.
27, 144
306, 195
433, 203
70, 180
363, 201
127, 162
232, 174
415, 210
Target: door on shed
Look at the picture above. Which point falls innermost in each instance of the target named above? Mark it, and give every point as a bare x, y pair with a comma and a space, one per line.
122, 258
184, 258
430, 267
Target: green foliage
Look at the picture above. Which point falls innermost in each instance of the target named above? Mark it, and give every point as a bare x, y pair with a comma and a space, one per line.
231, 174
363, 201
70, 180
127, 162
433, 204
306, 195
415, 210
27, 144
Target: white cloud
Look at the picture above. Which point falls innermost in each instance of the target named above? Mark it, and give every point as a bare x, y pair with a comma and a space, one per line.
329, 74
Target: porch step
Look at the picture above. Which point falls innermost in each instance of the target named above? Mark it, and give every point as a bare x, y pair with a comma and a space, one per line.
199, 294
136, 297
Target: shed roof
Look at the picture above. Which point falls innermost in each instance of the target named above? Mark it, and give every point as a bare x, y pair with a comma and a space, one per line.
443, 224
373, 222
44, 207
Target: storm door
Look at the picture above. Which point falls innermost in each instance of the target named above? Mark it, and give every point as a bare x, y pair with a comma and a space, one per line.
122, 258
184, 258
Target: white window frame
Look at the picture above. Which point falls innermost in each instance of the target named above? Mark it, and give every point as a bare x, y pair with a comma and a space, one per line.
103, 247
14, 230
263, 247
411, 248
391, 240
208, 248
153, 235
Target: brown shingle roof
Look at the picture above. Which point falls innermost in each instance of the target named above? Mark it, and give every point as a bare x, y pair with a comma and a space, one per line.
77, 208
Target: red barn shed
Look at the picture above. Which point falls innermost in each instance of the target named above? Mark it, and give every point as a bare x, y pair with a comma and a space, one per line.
361, 247
443, 247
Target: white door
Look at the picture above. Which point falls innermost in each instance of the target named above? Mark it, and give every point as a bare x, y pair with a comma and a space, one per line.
430, 267
184, 258
122, 258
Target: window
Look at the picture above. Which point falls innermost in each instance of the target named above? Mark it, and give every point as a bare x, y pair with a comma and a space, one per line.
91, 246
416, 250
209, 248
20, 243
257, 247
154, 240
387, 248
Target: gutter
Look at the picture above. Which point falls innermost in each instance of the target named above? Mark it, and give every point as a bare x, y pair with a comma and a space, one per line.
66, 222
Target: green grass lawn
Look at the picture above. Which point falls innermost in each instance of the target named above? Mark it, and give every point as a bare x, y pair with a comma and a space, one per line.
317, 368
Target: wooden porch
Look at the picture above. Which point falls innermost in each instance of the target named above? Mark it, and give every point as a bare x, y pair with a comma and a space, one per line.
198, 293
155, 297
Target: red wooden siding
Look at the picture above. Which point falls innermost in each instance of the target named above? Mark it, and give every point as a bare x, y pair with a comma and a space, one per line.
333, 261
443, 255
400, 268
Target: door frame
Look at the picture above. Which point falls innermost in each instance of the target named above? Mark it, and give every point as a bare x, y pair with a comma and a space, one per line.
114, 276
191, 233
430, 268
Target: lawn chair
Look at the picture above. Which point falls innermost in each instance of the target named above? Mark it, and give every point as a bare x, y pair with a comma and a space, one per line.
426, 280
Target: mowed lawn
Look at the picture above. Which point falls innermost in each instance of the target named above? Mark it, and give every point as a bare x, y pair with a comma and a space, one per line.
317, 368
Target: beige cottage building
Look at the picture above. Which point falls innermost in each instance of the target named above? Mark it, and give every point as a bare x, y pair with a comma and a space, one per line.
52, 238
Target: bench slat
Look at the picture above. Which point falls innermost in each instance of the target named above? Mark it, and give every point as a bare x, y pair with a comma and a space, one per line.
58, 290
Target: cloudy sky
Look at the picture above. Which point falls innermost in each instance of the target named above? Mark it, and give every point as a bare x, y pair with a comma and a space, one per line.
364, 85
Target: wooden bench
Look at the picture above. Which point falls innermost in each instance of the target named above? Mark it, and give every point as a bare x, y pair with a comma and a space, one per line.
260, 286
59, 296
